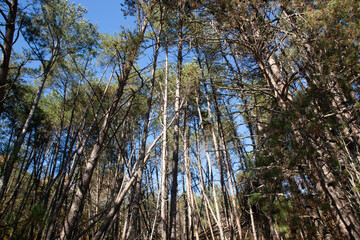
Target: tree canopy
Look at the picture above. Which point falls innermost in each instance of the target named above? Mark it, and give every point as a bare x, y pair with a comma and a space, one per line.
221, 119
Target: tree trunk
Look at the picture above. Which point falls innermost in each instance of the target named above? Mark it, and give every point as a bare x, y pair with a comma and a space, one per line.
253, 228
175, 157
233, 211
341, 210
216, 200
6, 48
134, 228
164, 160
188, 180
122, 192
203, 188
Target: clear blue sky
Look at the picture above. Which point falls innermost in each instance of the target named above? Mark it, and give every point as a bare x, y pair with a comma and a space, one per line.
106, 14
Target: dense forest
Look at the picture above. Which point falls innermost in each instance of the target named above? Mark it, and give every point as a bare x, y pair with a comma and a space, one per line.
218, 119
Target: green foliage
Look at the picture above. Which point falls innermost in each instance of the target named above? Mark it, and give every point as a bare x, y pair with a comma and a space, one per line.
55, 27
37, 213
301, 121
120, 47
18, 105
254, 198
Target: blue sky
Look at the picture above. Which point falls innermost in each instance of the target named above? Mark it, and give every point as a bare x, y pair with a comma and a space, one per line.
107, 14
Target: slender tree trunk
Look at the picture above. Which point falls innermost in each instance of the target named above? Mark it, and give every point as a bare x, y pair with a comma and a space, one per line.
220, 161
253, 227
175, 157
122, 192
216, 200
134, 229
203, 188
188, 181
6, 48
233, 211
83, 187
164, 160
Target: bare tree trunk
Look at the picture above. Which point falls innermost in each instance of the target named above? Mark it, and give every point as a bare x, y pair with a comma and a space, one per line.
220, 130
188, 180
6, 48
175, 157
83, 187
134, 228
220, 161
253, 228
122, 192
203, 188
164, 161
216, 200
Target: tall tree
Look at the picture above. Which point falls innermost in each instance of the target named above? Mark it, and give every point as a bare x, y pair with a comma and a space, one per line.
9, 12
46, 34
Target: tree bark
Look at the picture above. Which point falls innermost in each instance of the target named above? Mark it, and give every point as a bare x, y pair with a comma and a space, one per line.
192, 228
6, 48
175, 157
164, 161
216, 199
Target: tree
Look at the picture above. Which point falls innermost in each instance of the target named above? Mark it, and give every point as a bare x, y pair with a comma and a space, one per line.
46, 34
11, 7
249, 130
